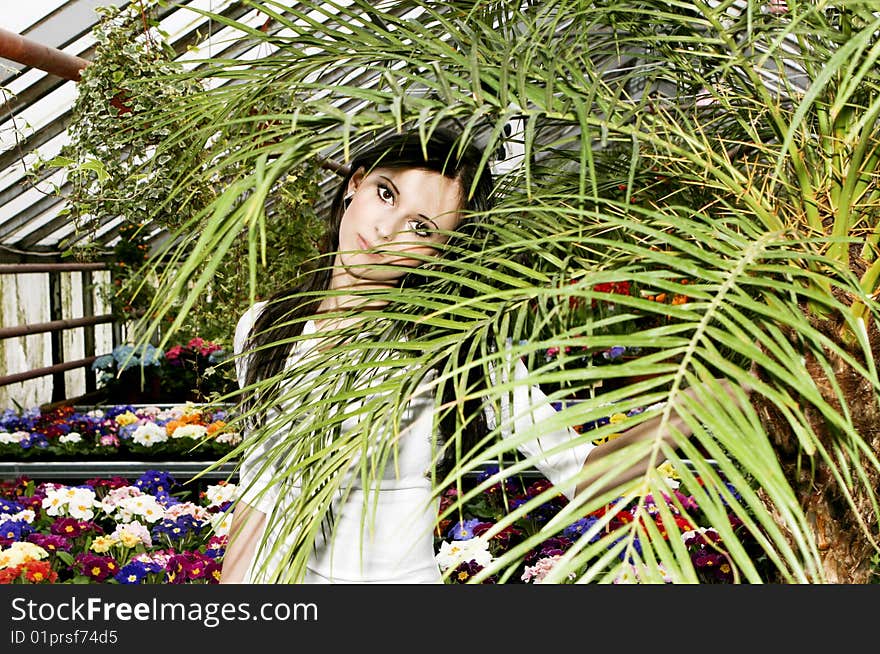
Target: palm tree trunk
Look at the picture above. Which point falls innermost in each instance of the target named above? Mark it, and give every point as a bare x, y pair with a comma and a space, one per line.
844, 529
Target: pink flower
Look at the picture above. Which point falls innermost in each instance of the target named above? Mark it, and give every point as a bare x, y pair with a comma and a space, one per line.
541, 569
174, 353
109, 440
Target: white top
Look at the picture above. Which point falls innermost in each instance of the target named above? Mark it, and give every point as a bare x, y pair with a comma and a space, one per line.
395, 543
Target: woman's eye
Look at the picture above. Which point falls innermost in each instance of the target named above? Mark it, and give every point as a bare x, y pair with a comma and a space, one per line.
420, 228
385, 194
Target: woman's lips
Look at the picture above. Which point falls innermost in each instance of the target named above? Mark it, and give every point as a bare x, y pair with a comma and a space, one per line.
365, 245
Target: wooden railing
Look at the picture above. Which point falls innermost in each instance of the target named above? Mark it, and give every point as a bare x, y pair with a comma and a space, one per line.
58, 324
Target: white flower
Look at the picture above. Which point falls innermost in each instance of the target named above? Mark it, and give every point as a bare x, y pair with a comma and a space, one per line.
190, 431
147, 507
229, 437
132, 533
74, 501
187, 508
220, 522
25, 515
12, 439
72, 437
149, 434
220, 494
81, 503
453, 553
143, 506
21, 552
115, 496
54, 502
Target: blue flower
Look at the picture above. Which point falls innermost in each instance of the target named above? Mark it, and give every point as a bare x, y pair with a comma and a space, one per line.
13, 530
575, 529
633, 544
34, 439
488, 471
463, 530
613, 352
127, 431
103, 362
156, 481
134, 572
8, 506
118, 410
177, 529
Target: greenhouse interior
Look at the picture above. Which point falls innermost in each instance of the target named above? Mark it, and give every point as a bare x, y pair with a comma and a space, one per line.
465, 293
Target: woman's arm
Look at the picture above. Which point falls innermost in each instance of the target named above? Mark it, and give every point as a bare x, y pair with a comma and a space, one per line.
642, 432
244, 535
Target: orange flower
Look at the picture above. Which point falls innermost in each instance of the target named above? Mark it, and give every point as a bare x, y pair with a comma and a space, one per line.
171, 425
40, 571
215, 426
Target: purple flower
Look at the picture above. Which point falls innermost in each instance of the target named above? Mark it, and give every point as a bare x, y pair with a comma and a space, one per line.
463, 530
465, 571
613, 352
50, 542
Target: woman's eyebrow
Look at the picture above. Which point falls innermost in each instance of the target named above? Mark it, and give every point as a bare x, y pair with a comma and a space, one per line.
397, 192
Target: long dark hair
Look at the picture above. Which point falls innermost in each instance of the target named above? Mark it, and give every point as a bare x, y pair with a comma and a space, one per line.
281, 319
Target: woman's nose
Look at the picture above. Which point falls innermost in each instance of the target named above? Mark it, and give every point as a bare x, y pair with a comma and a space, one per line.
385, 229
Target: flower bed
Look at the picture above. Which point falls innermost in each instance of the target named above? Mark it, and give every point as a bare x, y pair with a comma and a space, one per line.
463, 551
118, 431
120, 531
145, 531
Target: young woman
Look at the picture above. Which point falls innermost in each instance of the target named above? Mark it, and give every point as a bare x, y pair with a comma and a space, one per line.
396, 208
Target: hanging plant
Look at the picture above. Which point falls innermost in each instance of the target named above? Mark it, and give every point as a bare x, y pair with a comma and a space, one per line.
116, 169
112, 170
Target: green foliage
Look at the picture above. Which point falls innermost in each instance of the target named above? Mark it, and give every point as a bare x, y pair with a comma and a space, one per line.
734, 148
160, 179
115, 171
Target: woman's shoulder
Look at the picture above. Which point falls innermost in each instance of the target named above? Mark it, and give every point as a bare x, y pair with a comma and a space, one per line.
245, 322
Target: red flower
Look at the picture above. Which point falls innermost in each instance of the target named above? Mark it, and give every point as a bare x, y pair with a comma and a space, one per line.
38, 572
620, 288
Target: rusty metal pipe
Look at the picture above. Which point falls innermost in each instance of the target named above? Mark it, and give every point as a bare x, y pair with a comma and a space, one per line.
54, 325
30, 53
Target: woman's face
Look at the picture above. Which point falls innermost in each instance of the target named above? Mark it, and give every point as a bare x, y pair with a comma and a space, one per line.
394, 213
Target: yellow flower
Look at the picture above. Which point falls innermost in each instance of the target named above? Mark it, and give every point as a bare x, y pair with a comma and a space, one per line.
126, 418
192, 409
102, 544
668, 470
616, 418
129, 539
21, 552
